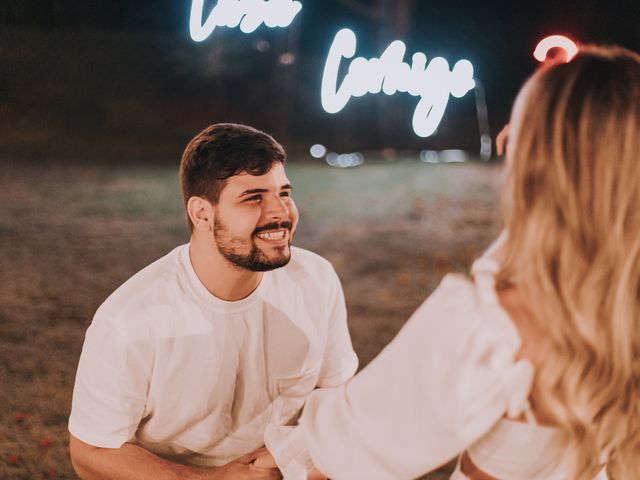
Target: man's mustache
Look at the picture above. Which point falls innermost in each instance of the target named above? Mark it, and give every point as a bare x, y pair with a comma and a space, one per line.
273, 226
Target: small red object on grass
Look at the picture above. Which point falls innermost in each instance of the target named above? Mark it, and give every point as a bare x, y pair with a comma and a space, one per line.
49, 474
14, 459
19, 416
45, 442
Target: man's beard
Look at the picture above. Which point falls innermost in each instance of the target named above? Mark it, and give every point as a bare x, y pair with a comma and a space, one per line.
255, 260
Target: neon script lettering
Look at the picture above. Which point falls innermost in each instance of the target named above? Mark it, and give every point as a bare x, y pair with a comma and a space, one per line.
433, 83
555, 41
249, 14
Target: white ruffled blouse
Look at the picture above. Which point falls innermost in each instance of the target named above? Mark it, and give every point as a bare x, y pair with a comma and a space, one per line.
443, 385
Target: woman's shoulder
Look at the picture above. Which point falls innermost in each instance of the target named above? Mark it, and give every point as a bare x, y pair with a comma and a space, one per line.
467, 308
463, 329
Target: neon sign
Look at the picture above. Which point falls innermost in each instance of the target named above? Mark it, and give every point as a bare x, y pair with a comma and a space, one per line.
249, 14
433, 83
555, 41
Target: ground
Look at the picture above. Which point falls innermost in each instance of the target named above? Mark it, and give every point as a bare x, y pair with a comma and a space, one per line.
71, 233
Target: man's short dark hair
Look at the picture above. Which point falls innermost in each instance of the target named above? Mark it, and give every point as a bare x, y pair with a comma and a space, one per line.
222, 151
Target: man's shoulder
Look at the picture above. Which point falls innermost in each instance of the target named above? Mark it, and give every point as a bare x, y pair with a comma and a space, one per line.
307, 257
307, 271
145, 288
310, 263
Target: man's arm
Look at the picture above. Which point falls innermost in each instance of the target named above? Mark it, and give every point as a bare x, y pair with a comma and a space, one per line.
108, 404
131, 462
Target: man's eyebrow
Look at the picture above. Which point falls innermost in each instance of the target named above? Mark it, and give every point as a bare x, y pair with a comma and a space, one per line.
253, 191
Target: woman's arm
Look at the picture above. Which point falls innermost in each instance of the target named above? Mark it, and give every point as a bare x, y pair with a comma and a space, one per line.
441, 384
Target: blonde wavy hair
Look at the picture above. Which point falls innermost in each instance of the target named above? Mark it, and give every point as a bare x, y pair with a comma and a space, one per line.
572, 211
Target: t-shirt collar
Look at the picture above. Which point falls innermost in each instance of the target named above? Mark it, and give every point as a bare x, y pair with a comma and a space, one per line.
209, 299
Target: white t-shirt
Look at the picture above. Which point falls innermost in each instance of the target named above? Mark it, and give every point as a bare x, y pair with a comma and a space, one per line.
196, 379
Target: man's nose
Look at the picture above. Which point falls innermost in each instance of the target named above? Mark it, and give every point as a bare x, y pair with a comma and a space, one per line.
277, 208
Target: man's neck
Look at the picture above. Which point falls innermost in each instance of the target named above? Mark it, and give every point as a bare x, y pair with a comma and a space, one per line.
223, 279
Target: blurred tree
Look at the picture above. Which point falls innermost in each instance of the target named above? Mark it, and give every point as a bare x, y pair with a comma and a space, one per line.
369, 10
402, 15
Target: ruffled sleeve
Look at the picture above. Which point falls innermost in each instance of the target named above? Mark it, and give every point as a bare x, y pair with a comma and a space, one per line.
444, 381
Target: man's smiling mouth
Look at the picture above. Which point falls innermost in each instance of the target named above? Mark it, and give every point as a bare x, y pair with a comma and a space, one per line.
272, 234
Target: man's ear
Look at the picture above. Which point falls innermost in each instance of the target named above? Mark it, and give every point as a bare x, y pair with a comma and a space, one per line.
201, 213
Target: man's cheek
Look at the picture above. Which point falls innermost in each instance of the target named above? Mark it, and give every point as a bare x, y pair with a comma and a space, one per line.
294, 217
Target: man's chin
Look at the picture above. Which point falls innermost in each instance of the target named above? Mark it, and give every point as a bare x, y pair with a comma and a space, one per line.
262, 262
264, 265
273, 261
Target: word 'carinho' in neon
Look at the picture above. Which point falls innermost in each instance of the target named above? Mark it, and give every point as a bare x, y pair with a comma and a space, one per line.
433, 83
555, 41
249, 14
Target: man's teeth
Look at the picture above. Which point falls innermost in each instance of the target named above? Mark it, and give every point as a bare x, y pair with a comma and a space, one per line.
279, 235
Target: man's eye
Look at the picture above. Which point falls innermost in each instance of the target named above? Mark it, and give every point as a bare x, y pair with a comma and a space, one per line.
285, 194
253, 198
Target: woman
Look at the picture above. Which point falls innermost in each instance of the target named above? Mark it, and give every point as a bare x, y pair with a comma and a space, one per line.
531, 368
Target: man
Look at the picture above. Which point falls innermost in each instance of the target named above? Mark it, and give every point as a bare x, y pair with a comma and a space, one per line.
188, 362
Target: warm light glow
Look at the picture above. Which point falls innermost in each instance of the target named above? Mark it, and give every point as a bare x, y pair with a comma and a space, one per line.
263, 46
432, 82
429, 156
444, 156
345, 160
555, 41
287, 58
318, 151
249, 14
453, 156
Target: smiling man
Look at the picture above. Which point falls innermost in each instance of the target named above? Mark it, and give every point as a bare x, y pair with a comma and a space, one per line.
187, 363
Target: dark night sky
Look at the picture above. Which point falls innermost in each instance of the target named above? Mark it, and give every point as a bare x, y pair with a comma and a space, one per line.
498, 37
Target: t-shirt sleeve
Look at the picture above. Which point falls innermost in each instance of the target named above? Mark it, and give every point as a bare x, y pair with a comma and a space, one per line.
111, 386
339, 362
434, 390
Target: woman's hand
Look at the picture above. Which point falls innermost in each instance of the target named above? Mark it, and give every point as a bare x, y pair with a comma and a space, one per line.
266, 461
501, 140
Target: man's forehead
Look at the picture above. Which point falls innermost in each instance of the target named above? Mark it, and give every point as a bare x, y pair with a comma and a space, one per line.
276, 177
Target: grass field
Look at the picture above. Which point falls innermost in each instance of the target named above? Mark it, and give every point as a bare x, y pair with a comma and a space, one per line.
71, 234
